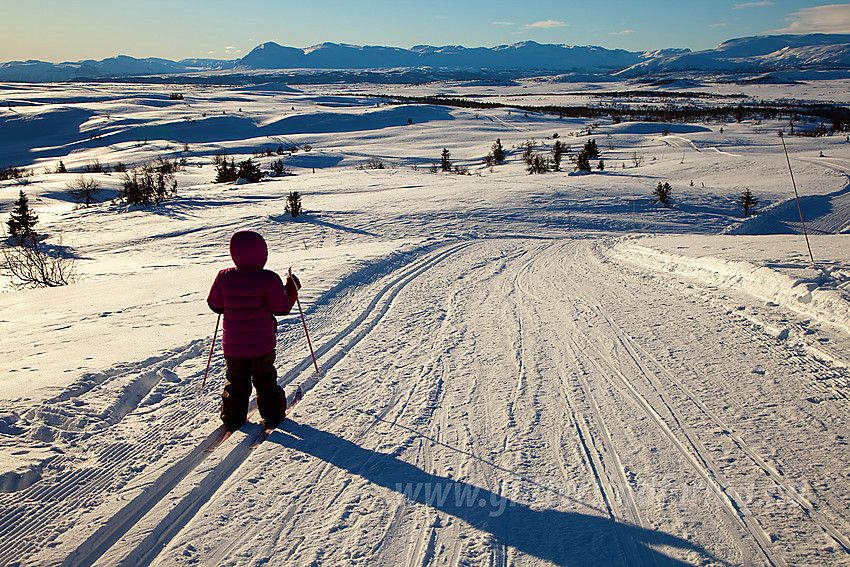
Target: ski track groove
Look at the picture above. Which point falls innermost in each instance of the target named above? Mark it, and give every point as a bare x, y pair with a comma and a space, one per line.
690, 449
366, 322
606, 476
777, 350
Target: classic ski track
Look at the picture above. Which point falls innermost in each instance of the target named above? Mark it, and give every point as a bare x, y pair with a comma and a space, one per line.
367, 321
605, 480
637, 353
823, 389
701, 463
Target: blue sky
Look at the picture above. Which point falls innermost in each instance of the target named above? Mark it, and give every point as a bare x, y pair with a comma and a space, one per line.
61, 30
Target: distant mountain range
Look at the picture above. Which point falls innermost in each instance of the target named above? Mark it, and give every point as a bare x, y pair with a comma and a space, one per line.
793, 54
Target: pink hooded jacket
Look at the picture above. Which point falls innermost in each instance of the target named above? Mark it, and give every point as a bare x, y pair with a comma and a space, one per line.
249, 297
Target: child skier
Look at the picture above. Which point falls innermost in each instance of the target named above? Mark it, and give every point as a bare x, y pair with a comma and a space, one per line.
249, 297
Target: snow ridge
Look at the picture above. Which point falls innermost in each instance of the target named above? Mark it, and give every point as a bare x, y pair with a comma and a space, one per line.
808, 297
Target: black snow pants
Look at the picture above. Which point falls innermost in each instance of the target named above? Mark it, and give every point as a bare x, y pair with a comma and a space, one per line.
271, 400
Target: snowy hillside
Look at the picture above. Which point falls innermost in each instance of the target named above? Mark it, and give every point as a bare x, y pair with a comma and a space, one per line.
761, 54
516, 369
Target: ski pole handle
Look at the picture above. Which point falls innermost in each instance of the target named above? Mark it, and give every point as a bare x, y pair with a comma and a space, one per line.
209, 359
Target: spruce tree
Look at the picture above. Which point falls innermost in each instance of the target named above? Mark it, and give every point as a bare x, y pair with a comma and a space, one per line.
445, 160
558, 154
591, 149
22, 219
583, 161
293, 204
249, 171
498, 152
747, 201
662, 193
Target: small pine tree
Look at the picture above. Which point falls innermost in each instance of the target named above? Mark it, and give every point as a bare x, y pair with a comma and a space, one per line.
147, 185
22, 219
249, 171
445, 160
498, 152
293, 204
558, 154
662, 193
225, 173
591, 149
747, 201
528, 152
61, 167
601, 165
539, 164
583, 161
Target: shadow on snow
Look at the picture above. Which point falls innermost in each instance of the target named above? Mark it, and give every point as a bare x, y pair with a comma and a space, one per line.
561, 537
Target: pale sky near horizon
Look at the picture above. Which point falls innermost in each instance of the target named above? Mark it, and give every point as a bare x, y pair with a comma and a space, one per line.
60, 30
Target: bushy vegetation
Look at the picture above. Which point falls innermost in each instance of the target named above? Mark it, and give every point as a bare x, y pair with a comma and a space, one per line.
26, 263
149, 184
225, 172
279, 169
12, 173
372, 163
249, 171
30, 265
497, 154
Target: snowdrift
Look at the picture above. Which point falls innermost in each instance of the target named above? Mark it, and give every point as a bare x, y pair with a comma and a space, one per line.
803, 296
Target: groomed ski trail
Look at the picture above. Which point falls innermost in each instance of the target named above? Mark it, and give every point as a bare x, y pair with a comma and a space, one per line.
506, 401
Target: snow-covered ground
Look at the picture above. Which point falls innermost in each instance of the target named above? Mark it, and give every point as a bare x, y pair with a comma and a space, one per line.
515, 369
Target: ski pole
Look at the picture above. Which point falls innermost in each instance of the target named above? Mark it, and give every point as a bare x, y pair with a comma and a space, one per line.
306, 334
209, 359
797, 195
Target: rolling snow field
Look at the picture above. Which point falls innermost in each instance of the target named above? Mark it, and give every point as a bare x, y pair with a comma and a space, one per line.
515, 369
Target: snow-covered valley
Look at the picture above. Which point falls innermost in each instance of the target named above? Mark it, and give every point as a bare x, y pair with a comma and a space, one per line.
515, 369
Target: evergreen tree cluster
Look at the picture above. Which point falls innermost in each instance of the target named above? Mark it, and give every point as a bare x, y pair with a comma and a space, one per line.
148, 185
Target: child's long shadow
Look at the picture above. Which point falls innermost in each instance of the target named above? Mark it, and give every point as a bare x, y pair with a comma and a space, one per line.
561, 537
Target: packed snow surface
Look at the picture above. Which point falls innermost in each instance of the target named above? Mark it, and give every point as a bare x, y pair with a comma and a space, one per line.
514, 369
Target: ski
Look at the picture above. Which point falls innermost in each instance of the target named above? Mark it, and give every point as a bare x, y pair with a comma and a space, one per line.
269, 430
218, 441
225, 435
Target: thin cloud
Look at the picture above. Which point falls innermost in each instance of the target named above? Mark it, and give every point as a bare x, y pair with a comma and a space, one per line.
754, 4
831, 18
624, 32
503, 23
545, 24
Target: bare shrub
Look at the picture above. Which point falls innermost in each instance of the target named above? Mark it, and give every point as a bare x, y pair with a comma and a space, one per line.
84, 190
29, 265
